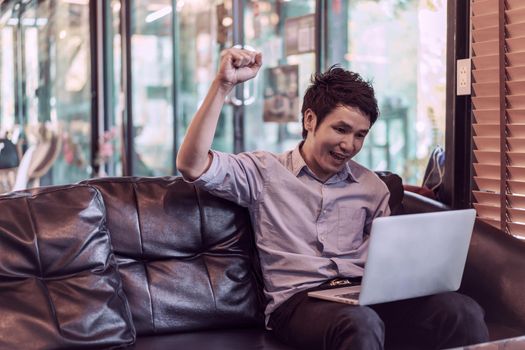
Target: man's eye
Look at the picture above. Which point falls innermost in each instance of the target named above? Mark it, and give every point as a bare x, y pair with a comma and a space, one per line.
340, 130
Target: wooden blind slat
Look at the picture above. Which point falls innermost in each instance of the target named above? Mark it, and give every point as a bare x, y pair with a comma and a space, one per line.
516, 130
486, 34
487, 62
487, 170
486, 48
485, 21
487, 75
480, 8
516, 215
513, 45
516, 187
487, 143
487, 198
486, 89
516, 58
516, 173
515, 30
487, 157
488, 211
516, 159
488, 116
516, 115
516, 87
516, 144
514, 16
516, 201
491, 102
486, 184
515, 4
516, 73
516, 101
491, 130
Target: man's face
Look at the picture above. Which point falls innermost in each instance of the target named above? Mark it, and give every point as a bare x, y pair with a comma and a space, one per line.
337, 139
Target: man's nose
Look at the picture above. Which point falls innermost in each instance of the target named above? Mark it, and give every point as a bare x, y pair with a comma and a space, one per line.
348, 143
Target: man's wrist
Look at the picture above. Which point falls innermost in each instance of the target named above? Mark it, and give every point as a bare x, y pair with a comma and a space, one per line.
222, 88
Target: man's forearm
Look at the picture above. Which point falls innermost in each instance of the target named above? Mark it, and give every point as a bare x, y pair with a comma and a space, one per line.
193, 159
236, 66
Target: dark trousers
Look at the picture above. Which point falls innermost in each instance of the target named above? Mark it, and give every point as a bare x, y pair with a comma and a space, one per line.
433, 322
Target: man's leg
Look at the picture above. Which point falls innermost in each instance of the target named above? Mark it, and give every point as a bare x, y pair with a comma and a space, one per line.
309, 323
435, 322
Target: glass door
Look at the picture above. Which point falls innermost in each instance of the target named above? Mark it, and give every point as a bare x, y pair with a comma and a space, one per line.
46, 85
285, 33
8, 25
152, 84
400, 46
204, 29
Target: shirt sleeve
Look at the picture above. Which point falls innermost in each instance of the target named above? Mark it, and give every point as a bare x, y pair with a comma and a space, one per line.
237, 177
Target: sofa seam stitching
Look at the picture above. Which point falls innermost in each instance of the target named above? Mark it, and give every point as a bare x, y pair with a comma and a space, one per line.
203, 255
135, 197
40, 279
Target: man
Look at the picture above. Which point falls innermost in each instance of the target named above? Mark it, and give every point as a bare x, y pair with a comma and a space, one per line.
311, 209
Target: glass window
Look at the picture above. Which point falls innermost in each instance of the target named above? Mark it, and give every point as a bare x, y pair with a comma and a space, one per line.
7, 74
284, 32
205, 28
65, 54
112, 136
401, 47
152, 77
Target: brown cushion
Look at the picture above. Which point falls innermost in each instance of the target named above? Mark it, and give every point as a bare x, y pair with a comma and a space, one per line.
59, 284
185, 256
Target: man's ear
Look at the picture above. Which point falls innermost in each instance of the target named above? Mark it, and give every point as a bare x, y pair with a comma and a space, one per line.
310, 120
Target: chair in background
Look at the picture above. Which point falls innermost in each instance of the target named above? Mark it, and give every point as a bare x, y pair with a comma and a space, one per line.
39, 157
9, 160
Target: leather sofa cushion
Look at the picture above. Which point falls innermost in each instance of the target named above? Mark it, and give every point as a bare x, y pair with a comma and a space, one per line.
186, 257
59, 284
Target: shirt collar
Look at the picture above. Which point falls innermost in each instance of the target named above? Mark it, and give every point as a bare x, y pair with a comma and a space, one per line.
299, 164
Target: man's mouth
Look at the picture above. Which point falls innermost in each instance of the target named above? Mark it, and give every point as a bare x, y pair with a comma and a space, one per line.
339, 156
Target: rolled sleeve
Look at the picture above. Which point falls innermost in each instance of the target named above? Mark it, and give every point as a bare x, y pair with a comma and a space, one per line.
239, 178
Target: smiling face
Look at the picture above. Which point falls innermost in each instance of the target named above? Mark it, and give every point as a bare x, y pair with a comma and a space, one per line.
336, 140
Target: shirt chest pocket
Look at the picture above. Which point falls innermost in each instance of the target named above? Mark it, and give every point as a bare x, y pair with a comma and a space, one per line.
350, 228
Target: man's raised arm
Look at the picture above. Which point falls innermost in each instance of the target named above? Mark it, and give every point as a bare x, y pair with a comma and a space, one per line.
236, 66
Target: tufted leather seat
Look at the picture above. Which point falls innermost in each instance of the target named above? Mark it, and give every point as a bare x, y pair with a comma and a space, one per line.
185, 257
188, 266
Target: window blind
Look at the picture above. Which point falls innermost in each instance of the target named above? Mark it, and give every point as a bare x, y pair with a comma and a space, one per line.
498, 107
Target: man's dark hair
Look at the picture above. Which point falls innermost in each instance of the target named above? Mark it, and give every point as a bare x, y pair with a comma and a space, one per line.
338, 87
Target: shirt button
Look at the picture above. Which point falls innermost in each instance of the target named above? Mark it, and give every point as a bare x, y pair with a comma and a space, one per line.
322, 238
324, 211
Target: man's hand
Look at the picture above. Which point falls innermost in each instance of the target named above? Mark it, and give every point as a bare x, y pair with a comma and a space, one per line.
237, 66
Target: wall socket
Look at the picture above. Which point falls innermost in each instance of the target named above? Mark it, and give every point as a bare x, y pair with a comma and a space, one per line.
463, 71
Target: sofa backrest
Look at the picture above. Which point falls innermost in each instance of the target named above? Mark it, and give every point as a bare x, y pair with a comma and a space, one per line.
185, 256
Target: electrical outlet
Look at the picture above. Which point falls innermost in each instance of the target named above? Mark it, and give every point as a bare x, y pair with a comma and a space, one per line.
463, 77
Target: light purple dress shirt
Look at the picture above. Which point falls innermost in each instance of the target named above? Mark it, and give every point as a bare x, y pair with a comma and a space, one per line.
306, 231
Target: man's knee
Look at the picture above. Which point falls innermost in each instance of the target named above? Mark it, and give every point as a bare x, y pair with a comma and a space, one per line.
359, 327
465, 317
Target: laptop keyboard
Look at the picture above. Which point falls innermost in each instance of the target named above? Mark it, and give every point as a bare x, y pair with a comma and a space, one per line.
351, 295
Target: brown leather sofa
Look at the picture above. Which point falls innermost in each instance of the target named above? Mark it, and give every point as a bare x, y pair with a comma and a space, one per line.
154, 263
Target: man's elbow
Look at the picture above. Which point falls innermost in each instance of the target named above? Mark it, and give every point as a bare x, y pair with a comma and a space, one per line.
188, 171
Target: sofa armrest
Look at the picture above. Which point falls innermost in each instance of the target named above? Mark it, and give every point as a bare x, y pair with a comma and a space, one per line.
495, 275
494, 272
414, 203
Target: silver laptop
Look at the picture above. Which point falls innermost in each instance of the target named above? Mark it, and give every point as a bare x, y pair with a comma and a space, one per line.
410, 256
